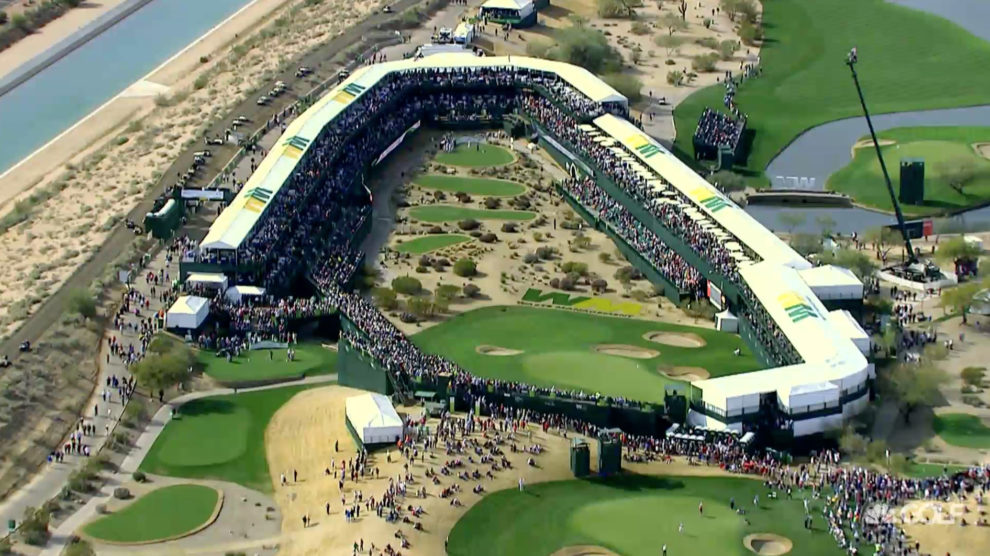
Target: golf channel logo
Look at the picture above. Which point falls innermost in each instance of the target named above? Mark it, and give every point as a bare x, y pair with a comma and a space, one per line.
918, 513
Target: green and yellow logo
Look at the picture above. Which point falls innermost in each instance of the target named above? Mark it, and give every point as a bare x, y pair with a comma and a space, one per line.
348, 93
584, 303
709, 200
294, 146
796, 307
256, 199
641, 144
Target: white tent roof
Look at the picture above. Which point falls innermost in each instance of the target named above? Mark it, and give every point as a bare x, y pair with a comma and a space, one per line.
833, 282
371, 410
507, 4
189, 305
235, 223
207, 278
706, 196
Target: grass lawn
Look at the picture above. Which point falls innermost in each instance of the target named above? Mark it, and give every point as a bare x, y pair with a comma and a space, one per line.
429, 243
634, 515
938, 146
805, 81
558, 350
448, 213
160, 514
471, 186
311, 359
960, 429
220, 437
922, 470
477, 155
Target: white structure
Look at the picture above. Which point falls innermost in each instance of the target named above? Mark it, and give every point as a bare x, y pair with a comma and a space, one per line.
187, 313
727, 322
833, 282
464, 33
210, 280
373, 418
236, 294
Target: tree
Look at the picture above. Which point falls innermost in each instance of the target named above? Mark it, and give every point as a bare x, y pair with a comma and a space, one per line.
957, 249
672, 23
704, 62
385, 298
750, 33
613, 9
628, 85
882, 239
791, 220
675, 77
851, 442
407, 285
727, 180
81, 302
421, 307
858, 262
682, 8
669, 42
160, 371
727, 48
465, 268
585, 47
958, 172
806, 244
3, 17
740, 9
447, 292
826, 224
917, 385
34, 526
960, 298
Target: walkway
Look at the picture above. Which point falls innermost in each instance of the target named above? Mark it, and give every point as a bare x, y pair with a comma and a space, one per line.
63, 533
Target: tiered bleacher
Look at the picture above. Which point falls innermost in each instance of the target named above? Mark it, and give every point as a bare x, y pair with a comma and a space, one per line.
305, 211
717, 131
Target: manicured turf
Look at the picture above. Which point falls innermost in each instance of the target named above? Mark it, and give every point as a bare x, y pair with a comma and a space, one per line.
959, 429
471, 186
805, 81
476, 156
270, 364
938, 146
429, 243
922, 470
635, 515
160, 514
220, 437
447, 213
558, 350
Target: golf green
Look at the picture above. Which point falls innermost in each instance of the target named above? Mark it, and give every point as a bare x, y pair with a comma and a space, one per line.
448, 213
476, 155
804, 81
948, 154
635, 515
161, 514
923, 470
219, 437
471, 186
557, 348
270, 364
429, 243
960, 429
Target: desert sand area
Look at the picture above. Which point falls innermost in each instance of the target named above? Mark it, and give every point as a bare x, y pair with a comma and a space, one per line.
947, 534
301, 438
88, 182
56, 30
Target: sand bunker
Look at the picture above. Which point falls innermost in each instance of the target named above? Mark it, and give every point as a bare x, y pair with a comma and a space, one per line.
868, 143
689, 374
982, 149
497, 351
768, 544
676, 339
584, 550
623, 350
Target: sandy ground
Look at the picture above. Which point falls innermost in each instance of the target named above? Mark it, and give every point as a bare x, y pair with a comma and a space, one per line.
768, 544
948, 538
106, 179
676, 339
37, 42
584, 550
622, 350
503, 275
982, 149
497, 351
301, 438
690, 374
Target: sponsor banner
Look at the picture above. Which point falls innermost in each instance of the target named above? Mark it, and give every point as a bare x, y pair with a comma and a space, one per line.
395, 144
797, 307
581, 302
206, 194
715, 296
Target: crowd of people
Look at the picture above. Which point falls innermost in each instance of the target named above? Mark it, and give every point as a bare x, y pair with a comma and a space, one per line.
717, 130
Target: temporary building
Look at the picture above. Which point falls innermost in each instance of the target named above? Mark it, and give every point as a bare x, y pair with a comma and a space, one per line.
373, 419
832, 282
210, 280
726, 322
188, 312
236, 294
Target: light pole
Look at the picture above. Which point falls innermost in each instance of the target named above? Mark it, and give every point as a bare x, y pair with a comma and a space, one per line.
851, 62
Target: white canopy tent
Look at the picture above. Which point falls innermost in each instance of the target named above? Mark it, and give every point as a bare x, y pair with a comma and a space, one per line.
236, 294
188, 312
208, 280
832, 282
373, 419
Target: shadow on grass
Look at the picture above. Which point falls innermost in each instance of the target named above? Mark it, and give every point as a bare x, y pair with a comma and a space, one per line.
208, 406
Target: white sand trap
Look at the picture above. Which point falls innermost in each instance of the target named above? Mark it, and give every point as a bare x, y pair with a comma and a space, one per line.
497, 351
868, 143
676, 339
982, 149
623, 350
584, 550
768, 544
689, 374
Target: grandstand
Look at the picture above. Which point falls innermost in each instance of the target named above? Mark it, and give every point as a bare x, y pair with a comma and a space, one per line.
304, 213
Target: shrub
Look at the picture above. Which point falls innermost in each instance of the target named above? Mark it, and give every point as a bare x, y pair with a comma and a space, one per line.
204, 59
79, 547
385, 298
675, 77
81, 302
568, 282
708, 42
537, 236
435, 230
704, 62
576, 267
605, 258
750, 33
3, 17
492, 203
407, 285
531, 258
135, 412
629, 85
546, 253
470, 290
612, 9
121, 493
465, 268
139, 476
599, 285
34, 527
475, 234
509, 228
628, 274
201, 82
488, 238
21, 22
973, 375
640, 28
425, 260
469, 224
555, 282
438, 265
447, 292
727, 48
